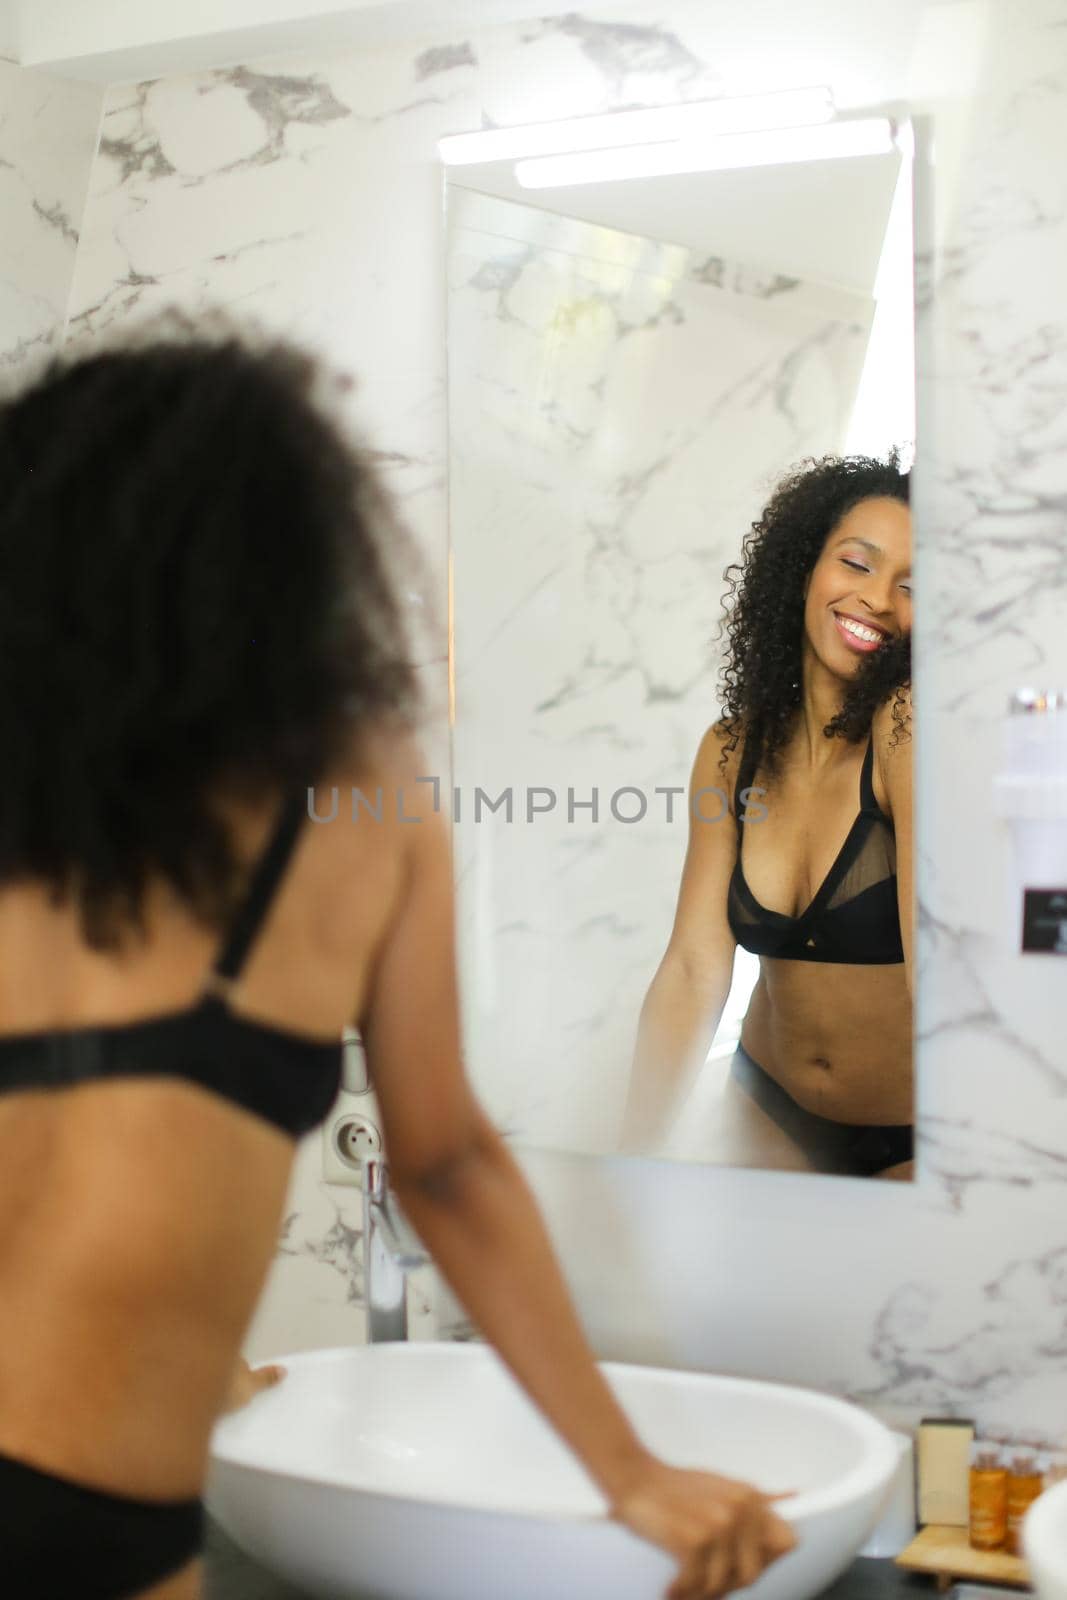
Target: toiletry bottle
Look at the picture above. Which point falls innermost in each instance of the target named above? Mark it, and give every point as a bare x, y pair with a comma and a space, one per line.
988, 1497
1024, 1486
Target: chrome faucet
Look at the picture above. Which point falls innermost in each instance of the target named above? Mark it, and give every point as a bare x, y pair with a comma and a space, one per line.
391, 1249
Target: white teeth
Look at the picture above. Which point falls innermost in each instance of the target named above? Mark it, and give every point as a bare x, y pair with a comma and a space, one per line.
859, 630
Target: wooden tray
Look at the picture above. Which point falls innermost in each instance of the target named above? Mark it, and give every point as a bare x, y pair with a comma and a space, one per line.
946, 1553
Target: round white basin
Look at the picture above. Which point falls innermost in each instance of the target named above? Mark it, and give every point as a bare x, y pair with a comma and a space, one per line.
422, 1472
1045, 1542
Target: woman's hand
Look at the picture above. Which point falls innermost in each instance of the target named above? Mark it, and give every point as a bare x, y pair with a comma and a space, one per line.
724, 1532
246, 1384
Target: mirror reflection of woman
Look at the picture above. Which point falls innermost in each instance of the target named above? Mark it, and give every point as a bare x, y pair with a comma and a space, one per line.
800, 846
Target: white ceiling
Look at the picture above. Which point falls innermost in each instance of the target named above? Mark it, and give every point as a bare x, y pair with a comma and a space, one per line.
118, 41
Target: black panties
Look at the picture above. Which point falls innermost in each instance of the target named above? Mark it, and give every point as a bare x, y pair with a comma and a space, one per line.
62, 1540
845, 1148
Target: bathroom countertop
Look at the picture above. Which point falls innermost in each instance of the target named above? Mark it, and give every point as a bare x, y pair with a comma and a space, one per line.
231, 1575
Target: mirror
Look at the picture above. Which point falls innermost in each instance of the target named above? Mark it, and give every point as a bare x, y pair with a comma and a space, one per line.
634, 366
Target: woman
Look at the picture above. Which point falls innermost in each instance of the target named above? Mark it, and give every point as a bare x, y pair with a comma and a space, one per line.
200, 643
810, 747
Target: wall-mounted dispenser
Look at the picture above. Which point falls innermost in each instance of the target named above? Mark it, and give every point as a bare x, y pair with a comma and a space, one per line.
355, 1077
1031, 796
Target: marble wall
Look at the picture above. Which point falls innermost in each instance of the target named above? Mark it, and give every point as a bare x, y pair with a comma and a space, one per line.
48, 132
306, 190
619, 409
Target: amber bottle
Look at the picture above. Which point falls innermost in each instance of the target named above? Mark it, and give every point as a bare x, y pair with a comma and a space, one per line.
988, 1498
1024, 1485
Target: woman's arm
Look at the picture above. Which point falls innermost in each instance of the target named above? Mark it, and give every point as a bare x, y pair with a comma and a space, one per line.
895, 763
686, 997
454, 1176
466, 1196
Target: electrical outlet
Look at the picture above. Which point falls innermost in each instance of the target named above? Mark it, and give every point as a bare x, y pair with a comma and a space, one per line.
348, 1140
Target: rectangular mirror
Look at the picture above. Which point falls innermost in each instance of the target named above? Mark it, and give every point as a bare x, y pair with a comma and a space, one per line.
636, 363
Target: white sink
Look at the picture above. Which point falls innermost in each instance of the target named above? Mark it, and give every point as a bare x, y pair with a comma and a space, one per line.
1045, 1542
422, 1472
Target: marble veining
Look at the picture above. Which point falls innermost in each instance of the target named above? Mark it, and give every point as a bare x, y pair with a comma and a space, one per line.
628, 53
340, 1249
281, 100
126, 141
933, 1351
55, 217
444, 58
47, 137
742, 279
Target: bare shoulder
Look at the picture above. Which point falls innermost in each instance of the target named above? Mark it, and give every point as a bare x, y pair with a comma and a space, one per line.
373, 810
380, 755
717, 755
387, 775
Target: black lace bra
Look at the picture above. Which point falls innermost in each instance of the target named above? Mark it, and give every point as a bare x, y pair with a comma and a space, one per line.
286, 1077
854, 917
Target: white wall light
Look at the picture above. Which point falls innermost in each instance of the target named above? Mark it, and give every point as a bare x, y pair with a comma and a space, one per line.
787, 108
864, 136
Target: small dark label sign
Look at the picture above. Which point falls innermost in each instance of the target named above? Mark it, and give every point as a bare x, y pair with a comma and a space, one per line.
1045, 920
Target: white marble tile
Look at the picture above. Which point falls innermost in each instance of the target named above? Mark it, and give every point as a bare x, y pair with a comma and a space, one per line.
47, 138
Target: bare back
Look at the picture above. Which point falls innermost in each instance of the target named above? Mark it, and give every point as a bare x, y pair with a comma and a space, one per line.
138, 1216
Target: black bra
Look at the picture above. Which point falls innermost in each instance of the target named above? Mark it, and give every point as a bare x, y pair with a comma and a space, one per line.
854, 917
285, 1077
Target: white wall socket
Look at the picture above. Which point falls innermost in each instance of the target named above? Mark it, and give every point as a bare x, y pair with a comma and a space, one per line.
348, 1137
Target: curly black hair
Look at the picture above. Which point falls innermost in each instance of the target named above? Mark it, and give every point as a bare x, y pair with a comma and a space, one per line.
197, 603
763, 612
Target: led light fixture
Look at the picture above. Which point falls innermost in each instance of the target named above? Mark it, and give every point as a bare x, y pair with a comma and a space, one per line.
785, 108
864, 136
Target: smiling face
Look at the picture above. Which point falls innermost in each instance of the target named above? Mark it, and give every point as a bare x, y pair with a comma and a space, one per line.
859, 590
